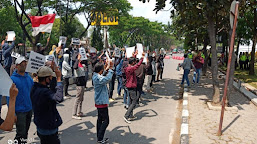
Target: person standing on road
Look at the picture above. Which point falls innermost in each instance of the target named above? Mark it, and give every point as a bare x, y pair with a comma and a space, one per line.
187, 65
67, 73
46, 117
132, 86
23, 106
119, 76
154, 70
198, 63
149, 73
79, 72
102, 98
126, 99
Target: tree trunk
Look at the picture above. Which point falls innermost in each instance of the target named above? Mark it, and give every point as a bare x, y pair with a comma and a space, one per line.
214, 60
251, 72
205, 64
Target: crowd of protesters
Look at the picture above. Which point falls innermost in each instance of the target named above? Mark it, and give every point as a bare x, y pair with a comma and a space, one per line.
38, 93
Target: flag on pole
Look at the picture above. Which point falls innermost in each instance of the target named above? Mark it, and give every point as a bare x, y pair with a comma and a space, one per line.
42, 23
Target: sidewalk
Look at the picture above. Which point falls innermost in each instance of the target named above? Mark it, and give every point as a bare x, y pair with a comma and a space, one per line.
238, 127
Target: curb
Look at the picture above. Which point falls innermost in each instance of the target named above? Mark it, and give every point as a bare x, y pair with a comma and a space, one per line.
184, 137
243, 89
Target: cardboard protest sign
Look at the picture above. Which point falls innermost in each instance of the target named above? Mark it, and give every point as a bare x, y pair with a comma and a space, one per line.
11, 35
75, 41
36, 61
92, 50
139, 50
129, 51
51, 58
63, 39
15, 55
117, 52
6, 82
83, 54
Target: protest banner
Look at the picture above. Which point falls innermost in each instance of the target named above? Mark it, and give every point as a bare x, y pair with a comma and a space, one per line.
51, 58
139, 50
117, 52
6, 82
10, 35
15, 55
63, 39
83, 54
129, 51
92, 50
75, 41
36, 61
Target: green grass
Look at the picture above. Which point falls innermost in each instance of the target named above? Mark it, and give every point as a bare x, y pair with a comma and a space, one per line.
244, 76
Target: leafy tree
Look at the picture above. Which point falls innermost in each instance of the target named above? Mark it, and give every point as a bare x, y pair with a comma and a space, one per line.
97, 41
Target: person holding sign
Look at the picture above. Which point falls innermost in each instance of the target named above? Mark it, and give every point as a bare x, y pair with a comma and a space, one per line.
101, 97
7, 124
23, 106
7, 50
79, 73
46, 117
131, 84
40, 48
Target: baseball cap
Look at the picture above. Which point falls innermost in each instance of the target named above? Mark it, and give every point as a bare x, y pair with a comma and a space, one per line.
45, 71
39, 44
19, 60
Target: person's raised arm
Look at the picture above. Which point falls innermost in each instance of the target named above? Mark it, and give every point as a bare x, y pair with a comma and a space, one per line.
58, 95
10, 48
139, 63
7, 125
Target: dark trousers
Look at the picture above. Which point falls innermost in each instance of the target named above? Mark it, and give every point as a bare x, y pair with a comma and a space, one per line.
119, 87
111, 86
49, 139
161, 73
86, 78
241, 64
66, 85
102, 122
22, 126
133, 102
153, 80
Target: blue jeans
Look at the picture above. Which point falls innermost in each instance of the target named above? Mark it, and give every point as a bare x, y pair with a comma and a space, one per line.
119, 87
198, 72
185, 76
126, 99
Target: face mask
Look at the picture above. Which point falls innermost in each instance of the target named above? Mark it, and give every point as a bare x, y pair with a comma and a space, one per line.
48, 83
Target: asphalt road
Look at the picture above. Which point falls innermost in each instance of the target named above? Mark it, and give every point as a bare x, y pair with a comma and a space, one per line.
155, 123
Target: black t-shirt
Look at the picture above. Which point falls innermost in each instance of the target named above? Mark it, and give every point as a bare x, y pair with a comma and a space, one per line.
1, 121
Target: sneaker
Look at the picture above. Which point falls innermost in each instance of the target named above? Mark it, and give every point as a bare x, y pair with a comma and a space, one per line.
118, 95
132, 118
126, 120
68, 95
80, 114
76, 117
103, 141
111, 99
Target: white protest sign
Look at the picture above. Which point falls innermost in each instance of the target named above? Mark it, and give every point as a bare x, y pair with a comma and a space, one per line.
36, 61
6, 82
117, 52
145, 58
139, 50
83, 54
51, 58
92, 50
75, 41
107, 55
129, 51
11, 35
63, 39
16, 55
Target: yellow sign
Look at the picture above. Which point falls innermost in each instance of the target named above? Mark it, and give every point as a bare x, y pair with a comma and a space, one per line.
104, 19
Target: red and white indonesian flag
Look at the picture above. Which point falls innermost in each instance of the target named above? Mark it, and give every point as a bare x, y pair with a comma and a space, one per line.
42, 23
